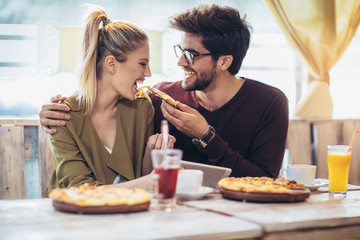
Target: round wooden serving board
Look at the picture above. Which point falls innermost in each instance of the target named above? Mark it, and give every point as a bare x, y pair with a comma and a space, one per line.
66, 207
293, 196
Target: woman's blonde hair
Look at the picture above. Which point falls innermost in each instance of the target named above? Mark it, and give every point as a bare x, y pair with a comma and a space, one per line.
116, 38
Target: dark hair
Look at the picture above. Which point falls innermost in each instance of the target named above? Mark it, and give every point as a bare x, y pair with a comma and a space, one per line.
222, 29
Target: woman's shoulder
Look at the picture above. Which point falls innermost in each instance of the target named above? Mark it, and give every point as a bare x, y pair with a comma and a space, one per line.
73, 102
76, 121
141, 102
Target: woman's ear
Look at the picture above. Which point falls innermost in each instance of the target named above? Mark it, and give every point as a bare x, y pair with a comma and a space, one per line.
225, 61
110, 63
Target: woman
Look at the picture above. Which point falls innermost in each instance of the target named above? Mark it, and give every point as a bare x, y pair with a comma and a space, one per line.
108, 139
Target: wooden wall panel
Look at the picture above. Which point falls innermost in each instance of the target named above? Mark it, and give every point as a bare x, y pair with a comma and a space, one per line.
298, 144
32, 168
349, 128
45, 159
12, 162
325, 132
307, 142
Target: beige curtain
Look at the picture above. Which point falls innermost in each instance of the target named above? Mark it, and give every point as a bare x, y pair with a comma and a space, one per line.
320, 31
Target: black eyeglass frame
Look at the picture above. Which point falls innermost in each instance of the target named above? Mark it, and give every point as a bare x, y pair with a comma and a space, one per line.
189, 56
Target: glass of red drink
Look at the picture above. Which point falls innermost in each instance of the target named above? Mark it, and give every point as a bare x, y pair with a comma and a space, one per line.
166, 165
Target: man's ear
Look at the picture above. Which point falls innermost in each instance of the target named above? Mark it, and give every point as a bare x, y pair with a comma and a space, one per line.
110, 63
225, 62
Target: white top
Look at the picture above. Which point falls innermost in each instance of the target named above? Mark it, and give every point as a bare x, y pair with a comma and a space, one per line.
118, 177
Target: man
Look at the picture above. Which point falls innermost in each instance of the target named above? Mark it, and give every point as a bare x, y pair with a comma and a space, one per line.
221, 119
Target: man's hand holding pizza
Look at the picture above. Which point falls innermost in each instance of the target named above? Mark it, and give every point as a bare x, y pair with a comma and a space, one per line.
186, 119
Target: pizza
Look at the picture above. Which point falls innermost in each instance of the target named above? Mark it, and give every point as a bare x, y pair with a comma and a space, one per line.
91, 195
162, 95
260, 185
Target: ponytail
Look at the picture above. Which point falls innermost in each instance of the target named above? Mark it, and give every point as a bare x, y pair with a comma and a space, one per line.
112, 38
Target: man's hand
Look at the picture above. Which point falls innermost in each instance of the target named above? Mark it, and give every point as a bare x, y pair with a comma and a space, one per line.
49, 115
186, 119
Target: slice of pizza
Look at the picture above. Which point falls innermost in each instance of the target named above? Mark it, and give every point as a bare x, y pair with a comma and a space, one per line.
162, 95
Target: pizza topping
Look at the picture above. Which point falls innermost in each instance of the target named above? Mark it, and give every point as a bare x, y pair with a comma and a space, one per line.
162, 95
260, 184
91, 195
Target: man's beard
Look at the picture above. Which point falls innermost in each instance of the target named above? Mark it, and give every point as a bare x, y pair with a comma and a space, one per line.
201, 82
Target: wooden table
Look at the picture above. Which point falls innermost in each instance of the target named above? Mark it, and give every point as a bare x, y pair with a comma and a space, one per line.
211, 218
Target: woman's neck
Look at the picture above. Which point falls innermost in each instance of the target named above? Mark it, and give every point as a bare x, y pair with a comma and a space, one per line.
106, 99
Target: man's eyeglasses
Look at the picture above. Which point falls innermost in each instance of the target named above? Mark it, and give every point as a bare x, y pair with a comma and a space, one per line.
189, 56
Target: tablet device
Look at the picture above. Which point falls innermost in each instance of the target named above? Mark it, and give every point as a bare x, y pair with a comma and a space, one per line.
212, 174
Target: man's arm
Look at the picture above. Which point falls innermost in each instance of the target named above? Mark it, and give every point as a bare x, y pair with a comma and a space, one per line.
53, 114
266, 152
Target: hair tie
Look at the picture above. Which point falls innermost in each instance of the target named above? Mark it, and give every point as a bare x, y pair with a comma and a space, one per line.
107, 21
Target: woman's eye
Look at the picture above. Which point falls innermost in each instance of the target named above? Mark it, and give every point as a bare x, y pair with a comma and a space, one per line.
143, 64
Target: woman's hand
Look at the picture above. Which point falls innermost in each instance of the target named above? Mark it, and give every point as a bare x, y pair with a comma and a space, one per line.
154, 142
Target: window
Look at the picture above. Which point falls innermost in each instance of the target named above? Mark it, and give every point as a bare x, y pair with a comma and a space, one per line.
270, 58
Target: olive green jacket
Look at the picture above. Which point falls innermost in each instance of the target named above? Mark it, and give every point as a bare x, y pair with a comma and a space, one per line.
79, 155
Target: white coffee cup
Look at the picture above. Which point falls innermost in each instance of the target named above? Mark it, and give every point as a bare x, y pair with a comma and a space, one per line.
301, 173
189, 180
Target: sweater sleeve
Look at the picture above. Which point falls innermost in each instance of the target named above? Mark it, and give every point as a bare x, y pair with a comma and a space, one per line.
267, 145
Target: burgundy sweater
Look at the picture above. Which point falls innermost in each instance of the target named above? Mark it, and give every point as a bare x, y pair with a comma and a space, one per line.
251, 129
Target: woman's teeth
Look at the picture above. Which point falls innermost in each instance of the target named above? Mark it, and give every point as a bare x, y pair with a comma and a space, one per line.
136, 84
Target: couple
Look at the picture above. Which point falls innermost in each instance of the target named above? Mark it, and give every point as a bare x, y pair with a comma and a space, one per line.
221, 119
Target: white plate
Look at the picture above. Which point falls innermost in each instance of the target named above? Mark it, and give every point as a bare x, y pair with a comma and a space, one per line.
316, 184
194, 195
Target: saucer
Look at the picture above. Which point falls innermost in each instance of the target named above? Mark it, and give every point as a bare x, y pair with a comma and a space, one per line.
194, 195
316, 184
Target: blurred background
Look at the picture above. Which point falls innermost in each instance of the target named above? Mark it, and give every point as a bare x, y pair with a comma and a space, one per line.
39, 41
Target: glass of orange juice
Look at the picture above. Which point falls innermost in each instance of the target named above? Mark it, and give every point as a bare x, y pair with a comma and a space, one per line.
338, 158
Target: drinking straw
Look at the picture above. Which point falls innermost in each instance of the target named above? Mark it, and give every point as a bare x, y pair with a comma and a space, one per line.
352, 140
165, 132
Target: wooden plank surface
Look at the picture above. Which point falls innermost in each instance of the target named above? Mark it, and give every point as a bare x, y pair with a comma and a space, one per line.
317, 212
345, 232
299, 142
210, 218
12, 162
38, 218
45, 159
19, 122
32, 168
349, 128
325, 132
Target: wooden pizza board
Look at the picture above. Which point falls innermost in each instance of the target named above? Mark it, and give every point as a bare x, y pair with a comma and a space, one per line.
293, 196
72, 208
